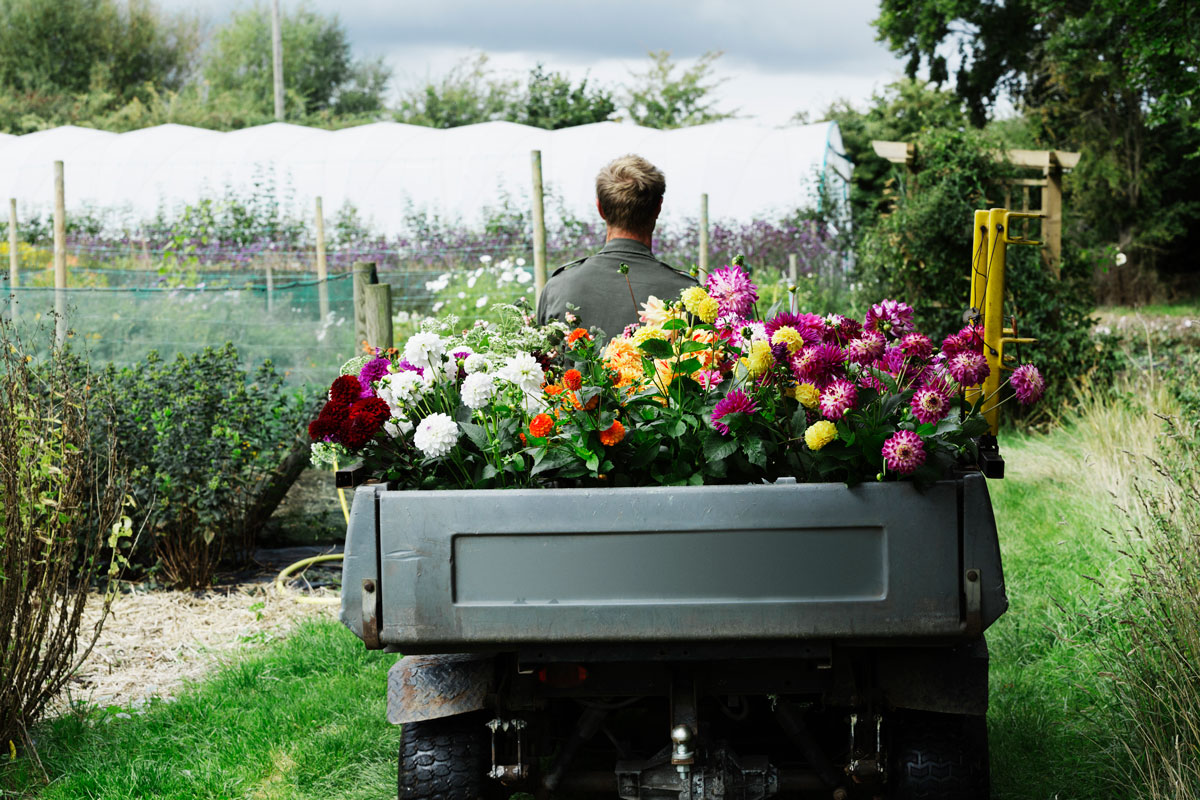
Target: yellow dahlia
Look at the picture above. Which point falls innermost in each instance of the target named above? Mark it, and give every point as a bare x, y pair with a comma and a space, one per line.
808, 395
760, 358
820, 434
708, 310
648, 332
692, 298
788, 335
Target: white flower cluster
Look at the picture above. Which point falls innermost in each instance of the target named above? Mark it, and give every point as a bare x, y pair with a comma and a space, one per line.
436, 435
425, 350
478, 389
523, 370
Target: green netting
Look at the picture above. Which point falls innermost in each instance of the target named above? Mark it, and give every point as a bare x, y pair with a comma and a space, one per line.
120, 322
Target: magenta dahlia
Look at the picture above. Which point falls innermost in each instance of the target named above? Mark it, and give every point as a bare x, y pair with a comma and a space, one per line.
818, 364
732, 289
838, 398
968, 367
810, 326
840, 329
929, 405
372, 371
736, 402
916, 345
1028, 384
904, 452
866, 348
969, 338
889, 316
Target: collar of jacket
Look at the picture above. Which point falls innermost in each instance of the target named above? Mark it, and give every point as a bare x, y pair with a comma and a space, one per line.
631, 246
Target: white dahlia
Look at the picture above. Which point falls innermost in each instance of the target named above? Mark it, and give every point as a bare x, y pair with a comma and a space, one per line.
436, 435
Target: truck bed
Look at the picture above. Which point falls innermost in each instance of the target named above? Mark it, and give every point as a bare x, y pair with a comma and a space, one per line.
462, 571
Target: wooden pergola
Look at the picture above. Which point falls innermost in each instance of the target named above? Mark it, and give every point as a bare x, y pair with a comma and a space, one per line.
1052, 164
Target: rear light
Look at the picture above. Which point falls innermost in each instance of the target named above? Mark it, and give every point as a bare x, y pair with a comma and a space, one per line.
563, 676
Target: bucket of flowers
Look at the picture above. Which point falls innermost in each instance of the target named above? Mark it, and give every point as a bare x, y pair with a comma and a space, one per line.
703, 390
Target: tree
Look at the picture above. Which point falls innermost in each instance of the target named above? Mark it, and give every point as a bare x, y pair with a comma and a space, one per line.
318, 69
57, 47
659, 99
550, 101
1115, 79
466, 95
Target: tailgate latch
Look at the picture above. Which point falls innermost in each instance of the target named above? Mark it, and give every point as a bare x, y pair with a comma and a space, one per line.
973, 588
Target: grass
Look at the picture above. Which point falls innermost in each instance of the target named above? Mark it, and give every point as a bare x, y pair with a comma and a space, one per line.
304, 718
1179, 308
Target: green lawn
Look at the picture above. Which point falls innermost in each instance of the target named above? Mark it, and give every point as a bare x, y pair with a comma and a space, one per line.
304, 718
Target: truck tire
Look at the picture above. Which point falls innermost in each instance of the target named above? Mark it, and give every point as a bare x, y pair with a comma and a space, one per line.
940, 757
445, 759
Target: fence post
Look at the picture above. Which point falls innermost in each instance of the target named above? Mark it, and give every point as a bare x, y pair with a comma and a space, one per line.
364, 275
379, 315
322, 269
793, 269
277, 59
539, 230
703, 236
60, 255
270, 285
14, 261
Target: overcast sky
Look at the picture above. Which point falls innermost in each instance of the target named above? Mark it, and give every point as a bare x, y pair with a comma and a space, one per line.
780, 57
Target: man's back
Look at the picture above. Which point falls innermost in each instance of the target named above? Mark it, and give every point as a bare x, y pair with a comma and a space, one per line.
597, 287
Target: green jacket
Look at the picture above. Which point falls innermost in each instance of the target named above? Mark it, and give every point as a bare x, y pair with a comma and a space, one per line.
597, 287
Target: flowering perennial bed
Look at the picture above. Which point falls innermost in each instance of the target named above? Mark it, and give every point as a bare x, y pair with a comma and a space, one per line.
703, 390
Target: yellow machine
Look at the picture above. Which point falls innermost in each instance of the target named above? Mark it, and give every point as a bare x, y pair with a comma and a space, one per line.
992, 237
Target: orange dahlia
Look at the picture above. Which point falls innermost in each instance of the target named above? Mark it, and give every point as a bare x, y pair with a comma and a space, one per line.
553, 389
541, 425
573, 379
577, 334
613, 434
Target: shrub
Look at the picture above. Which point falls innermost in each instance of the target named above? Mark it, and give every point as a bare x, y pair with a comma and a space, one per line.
59, 499
921, 252
211, 452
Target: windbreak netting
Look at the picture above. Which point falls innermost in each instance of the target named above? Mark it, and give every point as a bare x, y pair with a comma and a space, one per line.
119, 316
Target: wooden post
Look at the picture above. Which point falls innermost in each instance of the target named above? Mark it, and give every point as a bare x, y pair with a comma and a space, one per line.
539, 229
14, 261
379, 315
793, 269
277, 58
322, 269
703, 236
1052, 207
60, 255
364, 275
270, 286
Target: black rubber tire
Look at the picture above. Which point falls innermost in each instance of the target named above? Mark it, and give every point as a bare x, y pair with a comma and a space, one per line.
940, 757
445, 759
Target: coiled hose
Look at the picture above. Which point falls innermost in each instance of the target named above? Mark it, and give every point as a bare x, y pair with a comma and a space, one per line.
281, 580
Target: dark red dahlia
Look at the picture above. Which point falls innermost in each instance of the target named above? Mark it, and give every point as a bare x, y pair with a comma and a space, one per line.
373, 408
358, 430
345, 390
325, 427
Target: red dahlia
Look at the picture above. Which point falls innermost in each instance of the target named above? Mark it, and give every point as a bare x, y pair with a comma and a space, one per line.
345, 390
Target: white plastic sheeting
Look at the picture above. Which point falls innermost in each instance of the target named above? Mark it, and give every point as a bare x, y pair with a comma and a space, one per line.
386, 169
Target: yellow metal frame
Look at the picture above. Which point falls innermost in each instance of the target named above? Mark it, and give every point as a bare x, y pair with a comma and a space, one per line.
988, 253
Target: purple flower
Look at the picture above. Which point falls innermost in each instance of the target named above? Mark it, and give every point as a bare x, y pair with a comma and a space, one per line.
838, 398
407, 366
916, 345
818, 364
904, 452
929, 405
372, 371
810, 326
732, 289
968, 367
840, 329
1028, 384
866, 348
969, 338
889, 316
736, 402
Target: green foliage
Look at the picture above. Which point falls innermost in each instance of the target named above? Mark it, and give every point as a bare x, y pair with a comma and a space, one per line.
205, 444
660, 99
921, 253
550, 101
317, 64
466, 95
60, 525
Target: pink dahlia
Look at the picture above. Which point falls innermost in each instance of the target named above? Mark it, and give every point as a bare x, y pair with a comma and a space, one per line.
1028, 384
969, 338
968, 367
810, 326
929, 405
708, 378
838, 398
904, 452
818, 364
866, 348
372, 371
841, 329
916, 345
889, 316
736, 402
732, 289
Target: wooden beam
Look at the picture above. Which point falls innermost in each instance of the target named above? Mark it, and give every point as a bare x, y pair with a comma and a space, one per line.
896, 152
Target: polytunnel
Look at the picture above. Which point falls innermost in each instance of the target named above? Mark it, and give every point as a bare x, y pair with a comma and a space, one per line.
388, 169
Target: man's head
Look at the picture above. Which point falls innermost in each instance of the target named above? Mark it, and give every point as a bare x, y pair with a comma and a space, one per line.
629, 193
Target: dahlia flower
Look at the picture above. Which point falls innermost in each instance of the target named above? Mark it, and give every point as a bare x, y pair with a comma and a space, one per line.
820, 434
789, 337
523, 370
810, 327
424, 350
866, 348
478, 388
692, 298
613, 434
840, 329
1028, 384
436, 435
732, 289
929, 405
736, 402
398, 388
476, 362
807, 395
968, 367
916, 345
838, 398
759, 359
889, 316
818, 363
372, 371
904, 452
541, 425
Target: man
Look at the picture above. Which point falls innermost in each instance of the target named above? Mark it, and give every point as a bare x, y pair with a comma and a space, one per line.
629, 195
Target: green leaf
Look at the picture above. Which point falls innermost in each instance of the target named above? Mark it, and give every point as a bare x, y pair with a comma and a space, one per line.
755, 452
554, 459
692, 346
718, 447
687, 366
675, 324
657, 348
476, 433
676, 428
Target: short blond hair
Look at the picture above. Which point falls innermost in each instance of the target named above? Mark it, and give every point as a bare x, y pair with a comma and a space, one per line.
629, 189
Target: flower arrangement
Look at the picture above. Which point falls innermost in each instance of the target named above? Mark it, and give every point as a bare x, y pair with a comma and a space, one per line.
703, 390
